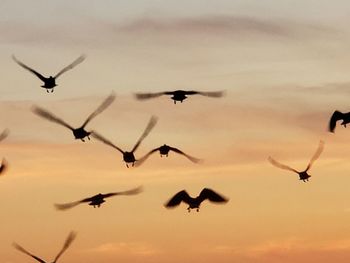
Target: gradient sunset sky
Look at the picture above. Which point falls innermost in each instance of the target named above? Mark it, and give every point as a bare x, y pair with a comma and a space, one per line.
285, 68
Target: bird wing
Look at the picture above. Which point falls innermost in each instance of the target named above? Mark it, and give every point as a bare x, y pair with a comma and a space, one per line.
105, 141
214, 94
212, 196
181, 196
67, 205
152, 122
133, 191
72, 235
3, 166
316, 155
108, 101
145, 96
19, 248
192, 159
49, 116
70, 66
337, 115
30, 69
282, 166
4, 134
144, 158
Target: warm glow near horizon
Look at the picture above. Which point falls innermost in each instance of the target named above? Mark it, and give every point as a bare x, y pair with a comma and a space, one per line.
284, 67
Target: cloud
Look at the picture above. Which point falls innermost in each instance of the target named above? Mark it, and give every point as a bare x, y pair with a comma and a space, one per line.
232, 26
131, 248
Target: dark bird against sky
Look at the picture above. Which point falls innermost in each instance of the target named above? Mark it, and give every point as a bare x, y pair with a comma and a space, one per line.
129, 157
194, 203
303, 175
67, 243
50, 82
164, 150
3, 165
79, 133
178, 95
336, 116
98, 199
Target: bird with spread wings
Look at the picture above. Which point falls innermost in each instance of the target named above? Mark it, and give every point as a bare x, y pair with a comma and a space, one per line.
50, 82
97, 200
79, 133
67, 243
194, 203
303, 175
179, 95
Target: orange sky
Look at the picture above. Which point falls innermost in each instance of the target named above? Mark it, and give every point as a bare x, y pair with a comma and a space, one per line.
284, 69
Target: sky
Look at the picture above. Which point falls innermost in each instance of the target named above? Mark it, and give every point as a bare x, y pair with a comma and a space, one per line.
284, 68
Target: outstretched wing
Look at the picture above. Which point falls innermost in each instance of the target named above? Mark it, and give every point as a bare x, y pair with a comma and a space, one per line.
101, 108
4, 134
21, 249
28, 68
337, 115
282, 166
72, 235
212, 196
145, 96
213, 94
152, 122
49, 116
133, 191
192, 159
181, 196
105, 141
316, 155
144, 158
3, 166
70, 66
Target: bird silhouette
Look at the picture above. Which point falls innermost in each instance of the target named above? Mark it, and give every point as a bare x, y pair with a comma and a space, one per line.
178, 95
164, 150
129, 157
194, 203
98, 199
67, 243
303, 175
4, 164
336, 116
79, 133
50, 82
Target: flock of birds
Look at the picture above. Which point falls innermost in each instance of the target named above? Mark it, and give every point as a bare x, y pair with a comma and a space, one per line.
80, 133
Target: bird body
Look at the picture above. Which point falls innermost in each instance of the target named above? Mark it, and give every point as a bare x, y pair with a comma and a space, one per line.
179, 95
194, 203
50, 82
336, 116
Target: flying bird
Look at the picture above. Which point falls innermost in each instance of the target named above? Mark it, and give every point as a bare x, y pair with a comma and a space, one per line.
336, 116
3, 165
50, 82
97, 200
67, 243
164, 150
79, 133
303, 175
129, 157
194, 203
178, 95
